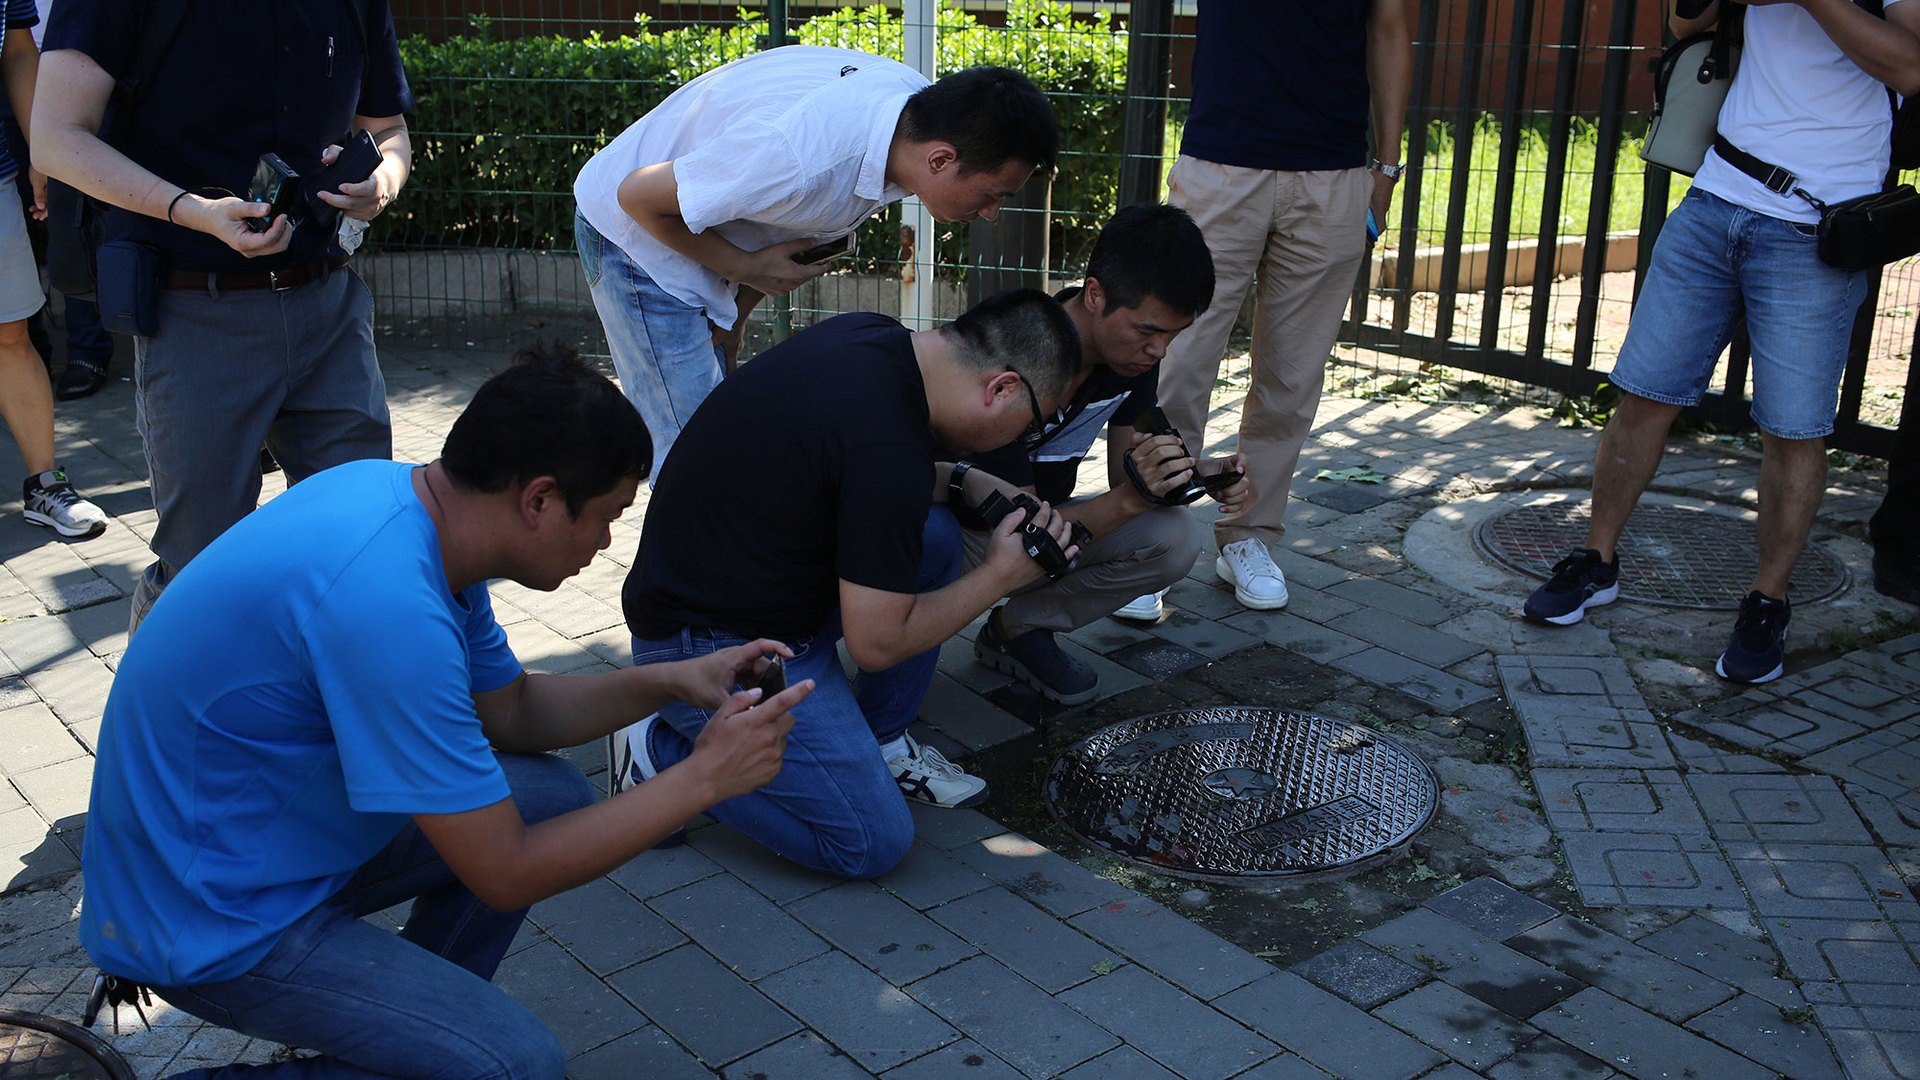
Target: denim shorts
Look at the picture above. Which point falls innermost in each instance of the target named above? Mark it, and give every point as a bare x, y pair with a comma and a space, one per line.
1716, 261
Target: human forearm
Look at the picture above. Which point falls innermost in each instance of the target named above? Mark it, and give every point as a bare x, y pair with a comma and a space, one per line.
19, 68
929, 620
1886, 48
651, 197
1389, 76
552, 712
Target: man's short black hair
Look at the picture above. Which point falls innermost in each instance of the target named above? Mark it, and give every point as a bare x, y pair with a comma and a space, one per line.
1021, 330
990, 115
548, 415
1153, 251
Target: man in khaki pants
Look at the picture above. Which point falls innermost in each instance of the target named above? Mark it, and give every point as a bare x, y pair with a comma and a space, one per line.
1274, 166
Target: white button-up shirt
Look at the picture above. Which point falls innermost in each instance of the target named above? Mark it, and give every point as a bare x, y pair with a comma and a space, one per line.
781, 145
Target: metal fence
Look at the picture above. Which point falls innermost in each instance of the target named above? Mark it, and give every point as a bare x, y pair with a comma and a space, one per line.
1518, 242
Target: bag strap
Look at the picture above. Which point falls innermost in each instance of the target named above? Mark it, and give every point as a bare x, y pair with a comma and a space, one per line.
163, 25
1772, 177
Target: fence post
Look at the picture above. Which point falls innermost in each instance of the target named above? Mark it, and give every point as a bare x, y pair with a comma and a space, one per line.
916, 270
1149, 73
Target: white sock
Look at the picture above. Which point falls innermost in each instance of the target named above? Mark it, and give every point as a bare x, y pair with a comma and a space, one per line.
891, 750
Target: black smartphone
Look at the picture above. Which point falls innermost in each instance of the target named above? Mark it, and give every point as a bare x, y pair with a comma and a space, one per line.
275, 184
356, 161
818, 253
1221, 481
773, 679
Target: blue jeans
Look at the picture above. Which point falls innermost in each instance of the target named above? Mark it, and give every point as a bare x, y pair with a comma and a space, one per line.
419, 1005
835, 806
662, 347
1715, 261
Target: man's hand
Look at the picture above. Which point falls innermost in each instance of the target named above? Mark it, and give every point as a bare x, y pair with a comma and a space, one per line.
1234, 499
741, 747
1163, 463
706, 682
39, 181
1007, 550
225, 220
1382, 199
772, 271
363, 200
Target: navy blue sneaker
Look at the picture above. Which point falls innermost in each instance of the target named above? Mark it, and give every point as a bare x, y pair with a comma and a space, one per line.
1758, 650
1036, 659
1580, 581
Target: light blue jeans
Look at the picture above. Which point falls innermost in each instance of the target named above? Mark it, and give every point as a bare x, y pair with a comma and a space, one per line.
1715, 261
835, 806
416, 1005
662, 348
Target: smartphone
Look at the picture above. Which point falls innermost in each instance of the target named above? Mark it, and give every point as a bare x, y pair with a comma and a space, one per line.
1373, 227
820, 253
774, 679
1221, 481
277, 185
356, 161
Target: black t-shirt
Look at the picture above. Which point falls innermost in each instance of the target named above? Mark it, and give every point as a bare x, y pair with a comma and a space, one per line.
1053, 468
1280, 84
810, 464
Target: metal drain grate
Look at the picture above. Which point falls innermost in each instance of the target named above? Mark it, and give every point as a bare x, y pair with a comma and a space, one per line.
36, 1047
1675, 555
1232, 793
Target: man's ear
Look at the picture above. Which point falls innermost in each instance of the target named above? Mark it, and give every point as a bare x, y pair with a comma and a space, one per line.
1094, 295
1005, 382
941, 157
537, 496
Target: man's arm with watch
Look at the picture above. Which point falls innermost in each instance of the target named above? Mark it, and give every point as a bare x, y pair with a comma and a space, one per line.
1389, 78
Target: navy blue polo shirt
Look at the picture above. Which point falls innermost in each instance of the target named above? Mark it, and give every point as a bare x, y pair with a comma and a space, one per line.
20, 15
239, 80
1280, 84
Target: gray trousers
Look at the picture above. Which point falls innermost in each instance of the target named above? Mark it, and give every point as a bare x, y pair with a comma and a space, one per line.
229, 372
1144, 555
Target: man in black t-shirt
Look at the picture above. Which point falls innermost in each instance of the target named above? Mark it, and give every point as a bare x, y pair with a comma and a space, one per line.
1150, 276
799, 504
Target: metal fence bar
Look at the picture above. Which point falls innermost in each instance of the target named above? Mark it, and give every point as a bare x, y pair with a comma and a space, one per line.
1149, 74
1566, 83
1465, 114
1418, 96
1510, 131
1600, 208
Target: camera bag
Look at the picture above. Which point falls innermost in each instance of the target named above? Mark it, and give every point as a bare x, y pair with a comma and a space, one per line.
1857, 234
1689, 87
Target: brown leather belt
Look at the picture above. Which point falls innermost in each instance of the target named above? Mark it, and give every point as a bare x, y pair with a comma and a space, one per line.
291, 277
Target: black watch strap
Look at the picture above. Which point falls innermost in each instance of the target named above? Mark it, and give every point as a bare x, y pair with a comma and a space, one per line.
956, 490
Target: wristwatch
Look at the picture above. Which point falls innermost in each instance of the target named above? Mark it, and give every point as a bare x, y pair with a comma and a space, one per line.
956, 491
1391, 172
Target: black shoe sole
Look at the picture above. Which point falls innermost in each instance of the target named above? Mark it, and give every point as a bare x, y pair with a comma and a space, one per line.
1007, 665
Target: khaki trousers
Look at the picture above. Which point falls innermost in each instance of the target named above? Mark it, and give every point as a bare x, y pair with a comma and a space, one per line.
1301, 236
1145, 554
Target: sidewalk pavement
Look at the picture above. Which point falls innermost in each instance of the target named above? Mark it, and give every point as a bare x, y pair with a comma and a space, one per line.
1730, 874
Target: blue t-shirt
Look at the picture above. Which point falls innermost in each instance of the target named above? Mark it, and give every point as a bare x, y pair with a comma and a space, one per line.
299, 690
1280, 84
20, 15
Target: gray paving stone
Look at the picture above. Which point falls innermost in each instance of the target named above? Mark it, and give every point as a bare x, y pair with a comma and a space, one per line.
1012, 1018
605, 927
1286, 1067
1774, 725
884, 934
1862, 701
59, 791
31, 736
1057, 884
1385, 596
963, 1060
663, 870
1464, 1028
1613, 869
1473, 962
1491, 907
1700, 757
560, 990
1388, 630
1159, 660
1109, 635
1848, 961
1048, 953
1315, 605
1622, 968
1326, 1031
872, 1022
1733, 958
747, 859
1877, 1044
649, 1052
957, 663
1305, 570
76, 691
948, 830
1297, 635
1606, 738
1205, 636
1590, 680
1168, 1025
1885, 761
705, 1007
739, 926
929, 877
1639, 1043
1121, 1061
1360, 974
1618, 800
1760, 1032
1435, 687
805, 1054
1547, 1058
1822, 881
1794, 809
967, 718
1167, 944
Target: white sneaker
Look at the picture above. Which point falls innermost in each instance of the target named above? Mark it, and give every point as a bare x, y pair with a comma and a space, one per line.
50, 500
629, 757
925, 775
1248, 567
1144, 608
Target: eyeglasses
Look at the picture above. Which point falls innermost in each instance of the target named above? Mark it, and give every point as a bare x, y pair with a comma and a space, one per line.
1040, 430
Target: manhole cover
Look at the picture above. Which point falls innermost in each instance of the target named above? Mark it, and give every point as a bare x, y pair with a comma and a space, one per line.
1676, 555
36, 1047
1243, 792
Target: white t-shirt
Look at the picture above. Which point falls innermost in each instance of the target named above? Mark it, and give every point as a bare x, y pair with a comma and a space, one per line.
1798, 102
781, 145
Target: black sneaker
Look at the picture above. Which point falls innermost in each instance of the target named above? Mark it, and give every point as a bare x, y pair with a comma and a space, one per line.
1037, 660
1580, 581
82, 378
1758, 650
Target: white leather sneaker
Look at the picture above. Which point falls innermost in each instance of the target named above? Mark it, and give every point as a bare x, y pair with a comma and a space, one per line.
1248, 567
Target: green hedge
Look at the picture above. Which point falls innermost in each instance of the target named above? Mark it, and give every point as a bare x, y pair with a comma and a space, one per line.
501, 128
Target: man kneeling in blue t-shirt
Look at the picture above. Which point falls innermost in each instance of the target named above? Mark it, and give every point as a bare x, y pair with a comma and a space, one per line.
321, 719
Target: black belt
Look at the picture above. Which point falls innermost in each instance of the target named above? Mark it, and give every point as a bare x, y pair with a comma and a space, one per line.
291, 277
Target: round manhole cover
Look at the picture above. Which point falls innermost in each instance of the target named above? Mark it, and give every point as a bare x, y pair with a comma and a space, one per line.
1243, 792
36, 1047
1671, 554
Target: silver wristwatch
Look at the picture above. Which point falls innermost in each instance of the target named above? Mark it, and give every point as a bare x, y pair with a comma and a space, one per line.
1391, 172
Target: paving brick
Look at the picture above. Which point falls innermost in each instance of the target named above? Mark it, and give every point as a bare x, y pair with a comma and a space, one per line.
1757, 1030
1011, 1017
805, 1054
963, 1060
739, 926
1210, 601
1326, 1031
947, 830
59, 791
1473, 962
1547, 1058
1062, 887
1800, 809
1875, 1055
1109, 635
1612, 869
1733, 958
1848, 961
967, 718
1491, 907
1389, 630
1285, 1067
750, 861
1120, 1061
929, 877
1862, 701
1622, 968
705, 1007
1442, 691
1590, 680
649, 1052
1048, 953
879, 931
1462, 1027
1617, 800
1639, 1043
873, 1022
1361, 974
560, 990
1205, 636
1159, 660
604, 927
1822, 881
1185, 954
1605, 738
1297, 635
662, 870
77, 690
1886, 761
31, 736
1169, 1026
1699, 757
1374, 593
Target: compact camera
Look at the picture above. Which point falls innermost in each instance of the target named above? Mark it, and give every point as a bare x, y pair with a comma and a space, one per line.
1041, 546
276, 184
1154, 422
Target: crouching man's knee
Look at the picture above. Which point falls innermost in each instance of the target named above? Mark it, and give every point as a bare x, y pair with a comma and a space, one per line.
1169, 542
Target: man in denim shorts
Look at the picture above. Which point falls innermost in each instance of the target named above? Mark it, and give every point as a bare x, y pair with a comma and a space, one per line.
1807, 112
